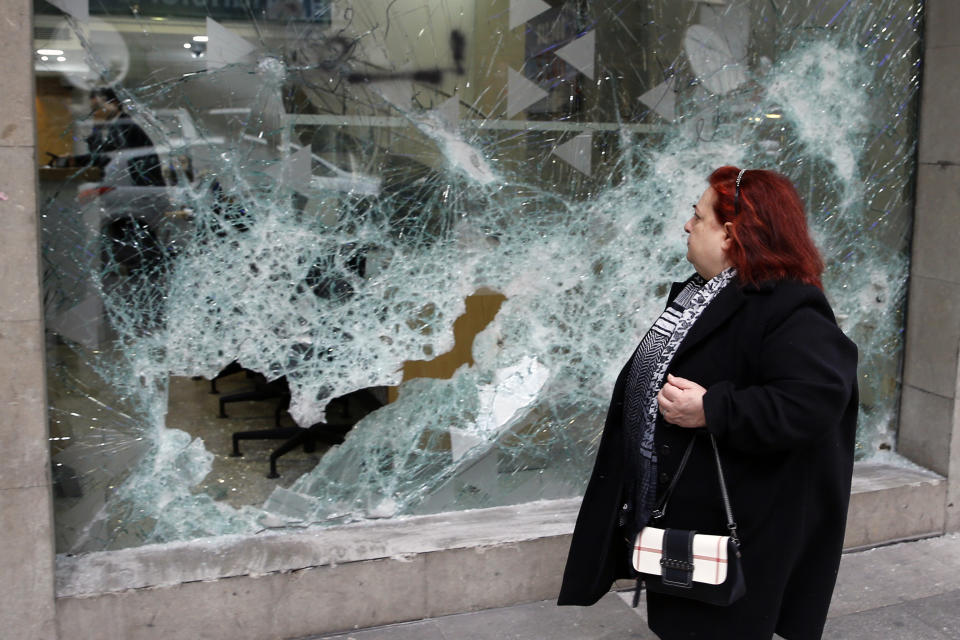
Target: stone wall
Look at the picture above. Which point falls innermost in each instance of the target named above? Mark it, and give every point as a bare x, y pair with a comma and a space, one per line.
26, 515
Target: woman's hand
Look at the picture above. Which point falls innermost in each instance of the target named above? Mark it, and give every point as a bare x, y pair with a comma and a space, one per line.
681, 402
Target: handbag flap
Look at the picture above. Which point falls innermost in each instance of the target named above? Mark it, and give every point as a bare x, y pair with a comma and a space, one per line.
709, 555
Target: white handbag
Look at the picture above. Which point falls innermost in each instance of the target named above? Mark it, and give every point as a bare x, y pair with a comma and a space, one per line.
709, 555
688, 564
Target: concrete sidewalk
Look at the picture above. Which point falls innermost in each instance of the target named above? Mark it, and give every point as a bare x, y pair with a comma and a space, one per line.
907, 591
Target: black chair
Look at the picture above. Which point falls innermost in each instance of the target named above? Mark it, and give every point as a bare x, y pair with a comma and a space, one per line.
229, 370
262, 390
342, 413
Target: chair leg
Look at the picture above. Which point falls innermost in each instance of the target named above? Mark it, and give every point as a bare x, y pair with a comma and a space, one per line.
230, 369
328, 434
289, 445
261, 434
283, 405
240, 397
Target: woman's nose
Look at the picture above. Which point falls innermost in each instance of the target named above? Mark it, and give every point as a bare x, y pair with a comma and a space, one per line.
686, 226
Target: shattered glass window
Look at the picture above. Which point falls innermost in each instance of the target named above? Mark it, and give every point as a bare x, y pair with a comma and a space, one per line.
393, 254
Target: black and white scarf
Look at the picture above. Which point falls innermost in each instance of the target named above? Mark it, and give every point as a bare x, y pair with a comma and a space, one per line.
648, 370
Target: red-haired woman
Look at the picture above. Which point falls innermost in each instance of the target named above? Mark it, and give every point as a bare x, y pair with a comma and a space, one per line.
748, 351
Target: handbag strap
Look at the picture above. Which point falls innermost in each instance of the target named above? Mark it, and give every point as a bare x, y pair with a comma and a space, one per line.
731, 523
661, 509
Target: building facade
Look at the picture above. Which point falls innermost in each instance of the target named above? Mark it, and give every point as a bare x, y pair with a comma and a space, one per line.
559, 124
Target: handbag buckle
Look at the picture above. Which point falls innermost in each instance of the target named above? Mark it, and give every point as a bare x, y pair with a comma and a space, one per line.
673, 563
733, 534
676, 558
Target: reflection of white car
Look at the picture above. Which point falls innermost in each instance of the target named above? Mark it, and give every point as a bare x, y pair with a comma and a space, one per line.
133, 219
137, 223
117, 226
124, 228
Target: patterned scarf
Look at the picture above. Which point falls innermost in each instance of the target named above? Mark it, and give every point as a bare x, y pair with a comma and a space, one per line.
648, 370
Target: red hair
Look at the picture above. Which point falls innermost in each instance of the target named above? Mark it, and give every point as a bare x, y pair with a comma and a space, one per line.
771, 240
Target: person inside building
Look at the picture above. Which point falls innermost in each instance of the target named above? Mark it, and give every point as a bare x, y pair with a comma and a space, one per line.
114, 130
747, 351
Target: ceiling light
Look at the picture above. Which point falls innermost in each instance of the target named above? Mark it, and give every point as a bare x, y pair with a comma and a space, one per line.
773, 116
50, 52
187, 45
61, 59
200, 38
44, 58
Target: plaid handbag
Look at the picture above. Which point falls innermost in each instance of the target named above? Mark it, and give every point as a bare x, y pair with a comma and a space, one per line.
688, 564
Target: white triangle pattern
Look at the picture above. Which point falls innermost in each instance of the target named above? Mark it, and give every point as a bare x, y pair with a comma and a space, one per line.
581, 53
449, 110
662, 100
224, 46
79, 9
521, 92
577, 152
523, 10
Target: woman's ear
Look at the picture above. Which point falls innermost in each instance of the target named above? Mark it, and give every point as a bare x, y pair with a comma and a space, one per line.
727, 235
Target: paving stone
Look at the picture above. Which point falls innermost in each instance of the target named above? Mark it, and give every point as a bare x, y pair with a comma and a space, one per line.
907, 591
609, 619
940, 612
895, 574
895, 622
423, 630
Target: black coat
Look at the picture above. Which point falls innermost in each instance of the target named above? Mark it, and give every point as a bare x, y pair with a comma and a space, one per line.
782, 402
123, 133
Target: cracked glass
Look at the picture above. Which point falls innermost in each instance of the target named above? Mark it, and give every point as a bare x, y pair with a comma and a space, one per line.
394, 254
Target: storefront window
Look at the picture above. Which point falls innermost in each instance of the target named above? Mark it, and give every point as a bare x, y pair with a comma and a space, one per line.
403, 247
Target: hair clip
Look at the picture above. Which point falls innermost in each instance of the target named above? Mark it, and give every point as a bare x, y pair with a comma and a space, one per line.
736, 195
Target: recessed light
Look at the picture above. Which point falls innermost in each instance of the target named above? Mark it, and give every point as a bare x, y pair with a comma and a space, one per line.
187, 45
61, 59
50, 52
200, 38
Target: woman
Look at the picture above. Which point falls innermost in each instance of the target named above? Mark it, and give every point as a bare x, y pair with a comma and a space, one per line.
748, 350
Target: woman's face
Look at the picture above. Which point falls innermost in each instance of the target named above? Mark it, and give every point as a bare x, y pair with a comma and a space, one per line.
708, 240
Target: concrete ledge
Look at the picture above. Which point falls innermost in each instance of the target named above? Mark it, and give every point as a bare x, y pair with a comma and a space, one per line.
398, 539
285, 585
891, 503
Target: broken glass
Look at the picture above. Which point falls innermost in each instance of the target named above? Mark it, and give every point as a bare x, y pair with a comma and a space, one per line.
345, 182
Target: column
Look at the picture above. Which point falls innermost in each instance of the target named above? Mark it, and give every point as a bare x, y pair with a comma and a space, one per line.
26, 522
929, 412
